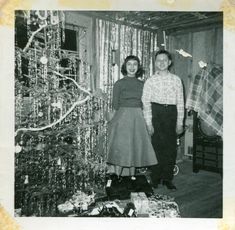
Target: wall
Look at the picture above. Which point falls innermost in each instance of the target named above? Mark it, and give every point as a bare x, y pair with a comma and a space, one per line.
204, 44
76, 19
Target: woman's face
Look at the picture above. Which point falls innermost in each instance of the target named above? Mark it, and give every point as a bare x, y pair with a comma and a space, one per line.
162, 62
131, 68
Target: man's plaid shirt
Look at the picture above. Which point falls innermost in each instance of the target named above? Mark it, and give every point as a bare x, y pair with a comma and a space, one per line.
163, 90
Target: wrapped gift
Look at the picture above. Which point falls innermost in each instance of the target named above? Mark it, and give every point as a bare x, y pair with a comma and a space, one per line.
78, 202
144, 203
66, 207
135, 199
140, 201
163, 207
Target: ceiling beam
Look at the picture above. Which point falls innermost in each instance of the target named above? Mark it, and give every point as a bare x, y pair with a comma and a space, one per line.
98, 16
193, 23
193, 28
158, 24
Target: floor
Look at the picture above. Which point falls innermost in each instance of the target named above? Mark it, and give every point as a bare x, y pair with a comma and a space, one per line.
198, 195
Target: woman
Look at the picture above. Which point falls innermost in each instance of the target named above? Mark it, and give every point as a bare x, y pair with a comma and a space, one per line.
129, 144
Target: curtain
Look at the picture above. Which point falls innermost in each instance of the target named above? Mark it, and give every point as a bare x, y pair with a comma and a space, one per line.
114, 43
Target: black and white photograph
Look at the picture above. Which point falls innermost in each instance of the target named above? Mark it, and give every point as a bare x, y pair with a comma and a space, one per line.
118, 114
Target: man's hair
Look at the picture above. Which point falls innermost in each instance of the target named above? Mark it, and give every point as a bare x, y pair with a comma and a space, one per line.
163, 52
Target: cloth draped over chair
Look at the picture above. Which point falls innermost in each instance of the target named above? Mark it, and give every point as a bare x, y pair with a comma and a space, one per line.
206, 97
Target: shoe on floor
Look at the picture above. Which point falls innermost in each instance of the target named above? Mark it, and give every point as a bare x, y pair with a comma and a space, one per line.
156, 183
169, 184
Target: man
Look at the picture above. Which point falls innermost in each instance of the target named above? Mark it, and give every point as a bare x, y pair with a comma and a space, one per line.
163, 104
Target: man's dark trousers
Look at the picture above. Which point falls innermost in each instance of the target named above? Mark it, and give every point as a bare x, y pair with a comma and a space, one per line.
164, 119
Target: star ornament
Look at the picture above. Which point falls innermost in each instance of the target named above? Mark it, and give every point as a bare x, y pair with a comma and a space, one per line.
183, 53
202, 64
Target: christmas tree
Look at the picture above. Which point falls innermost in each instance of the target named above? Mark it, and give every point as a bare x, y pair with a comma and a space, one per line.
60, 128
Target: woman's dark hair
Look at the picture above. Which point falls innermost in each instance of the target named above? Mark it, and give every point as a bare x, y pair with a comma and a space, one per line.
140, 70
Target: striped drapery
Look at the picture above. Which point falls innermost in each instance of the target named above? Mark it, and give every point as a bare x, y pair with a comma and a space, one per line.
114, 43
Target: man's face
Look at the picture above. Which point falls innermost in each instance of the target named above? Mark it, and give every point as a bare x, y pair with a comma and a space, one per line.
162, 62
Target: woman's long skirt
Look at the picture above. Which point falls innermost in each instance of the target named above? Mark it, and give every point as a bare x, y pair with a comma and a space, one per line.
129, 144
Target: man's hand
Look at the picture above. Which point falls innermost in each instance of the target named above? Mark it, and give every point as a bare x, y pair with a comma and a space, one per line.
109, 115
179, 129
150, 129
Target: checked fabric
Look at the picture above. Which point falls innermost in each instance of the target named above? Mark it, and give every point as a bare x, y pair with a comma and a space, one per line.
206, 97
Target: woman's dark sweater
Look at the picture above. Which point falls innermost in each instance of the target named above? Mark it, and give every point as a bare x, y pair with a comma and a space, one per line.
127, 92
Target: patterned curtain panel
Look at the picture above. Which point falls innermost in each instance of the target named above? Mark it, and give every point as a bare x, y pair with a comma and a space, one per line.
114, 43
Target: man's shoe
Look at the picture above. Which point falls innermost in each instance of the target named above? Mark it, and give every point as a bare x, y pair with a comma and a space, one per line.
156, 183
169, 184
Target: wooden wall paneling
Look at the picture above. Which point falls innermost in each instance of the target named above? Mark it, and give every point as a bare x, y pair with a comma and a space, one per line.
199, 52
218, 58
188, 137
181, 65
206, 45
203, 48
182, 68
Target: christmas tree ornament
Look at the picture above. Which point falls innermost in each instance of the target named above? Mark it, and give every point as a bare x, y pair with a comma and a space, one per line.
40, 114
44, 60
59, 161
18, 149
68, 140
40, 146
54, 17
26, 181
42, 14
